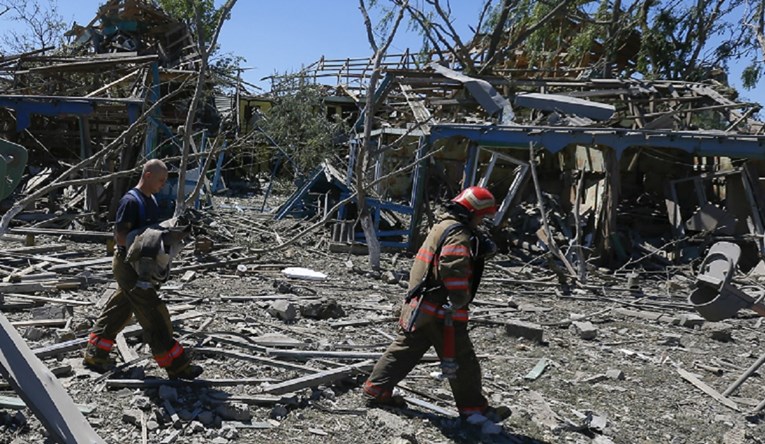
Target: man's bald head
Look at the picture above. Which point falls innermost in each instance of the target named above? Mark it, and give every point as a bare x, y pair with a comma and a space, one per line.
154, 166
153, 177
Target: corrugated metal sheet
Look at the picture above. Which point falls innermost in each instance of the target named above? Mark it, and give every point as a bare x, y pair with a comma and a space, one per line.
224, 105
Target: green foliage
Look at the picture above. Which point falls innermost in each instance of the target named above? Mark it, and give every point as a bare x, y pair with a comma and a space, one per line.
751, 75
185, 10
299, 124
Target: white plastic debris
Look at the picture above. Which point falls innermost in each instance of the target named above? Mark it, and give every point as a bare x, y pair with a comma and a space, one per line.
304, 273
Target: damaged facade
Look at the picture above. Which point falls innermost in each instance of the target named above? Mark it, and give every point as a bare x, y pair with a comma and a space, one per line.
649, 162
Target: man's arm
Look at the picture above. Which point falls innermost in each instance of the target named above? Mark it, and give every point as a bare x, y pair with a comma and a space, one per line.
126, 217
121, 231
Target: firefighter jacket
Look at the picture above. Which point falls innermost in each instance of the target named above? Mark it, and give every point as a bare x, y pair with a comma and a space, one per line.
151, 250
449, 272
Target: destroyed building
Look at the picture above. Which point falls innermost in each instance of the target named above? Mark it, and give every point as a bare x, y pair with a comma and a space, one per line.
638, 180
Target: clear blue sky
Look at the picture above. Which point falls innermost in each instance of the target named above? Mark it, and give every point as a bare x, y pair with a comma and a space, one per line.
283, 35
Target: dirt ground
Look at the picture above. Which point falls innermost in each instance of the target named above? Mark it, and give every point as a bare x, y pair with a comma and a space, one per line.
622, 386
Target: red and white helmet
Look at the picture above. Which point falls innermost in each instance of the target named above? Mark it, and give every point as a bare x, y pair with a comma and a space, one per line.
477, 200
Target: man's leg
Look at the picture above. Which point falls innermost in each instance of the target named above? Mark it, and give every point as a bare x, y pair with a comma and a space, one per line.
110, 322
466, 387
398, 360
153, 316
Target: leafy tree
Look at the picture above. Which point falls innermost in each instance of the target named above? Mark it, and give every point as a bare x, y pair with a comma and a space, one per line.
298, 123
185, 10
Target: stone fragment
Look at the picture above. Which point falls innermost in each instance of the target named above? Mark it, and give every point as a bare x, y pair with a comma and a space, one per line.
195, 427
278, 412
228, 432
719, 331
585, 330
152, 425
390, 278
615, 374
594, 379
671, 340
220, 440
49, 312
520, 329
322, 309
34, 333
283, 310
235, 411
131, 416
690, 320
141, 402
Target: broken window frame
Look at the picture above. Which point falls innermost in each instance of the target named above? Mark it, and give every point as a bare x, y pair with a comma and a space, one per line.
673, 205
521, 175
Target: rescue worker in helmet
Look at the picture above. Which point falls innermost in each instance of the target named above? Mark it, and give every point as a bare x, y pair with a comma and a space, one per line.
442, 282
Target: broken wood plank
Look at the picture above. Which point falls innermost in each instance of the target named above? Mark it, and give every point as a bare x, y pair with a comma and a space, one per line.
127, 352
538, 369
47, 299
12, 402
257, 359
147, 383
41, 391
316, 379
430, 406
690, 377
22, 287
360, 322
247, 399
96, 235
88, 263
34, 249
312, 354
40, 323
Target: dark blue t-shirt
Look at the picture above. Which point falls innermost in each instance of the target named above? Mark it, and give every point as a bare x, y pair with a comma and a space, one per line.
129, 214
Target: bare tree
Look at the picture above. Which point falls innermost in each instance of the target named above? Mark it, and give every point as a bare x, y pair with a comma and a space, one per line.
369, 112
42, 25
204, 48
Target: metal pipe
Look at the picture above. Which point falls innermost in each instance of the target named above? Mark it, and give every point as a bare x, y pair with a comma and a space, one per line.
743, 377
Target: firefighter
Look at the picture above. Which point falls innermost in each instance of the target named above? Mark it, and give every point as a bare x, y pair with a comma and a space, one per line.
442, 282
138, 209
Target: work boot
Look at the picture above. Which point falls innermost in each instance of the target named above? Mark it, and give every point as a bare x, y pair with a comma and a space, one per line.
98, 361
394, 401
497, 414
189, 371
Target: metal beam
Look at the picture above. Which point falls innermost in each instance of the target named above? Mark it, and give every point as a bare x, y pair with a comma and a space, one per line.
555, 139
41, 391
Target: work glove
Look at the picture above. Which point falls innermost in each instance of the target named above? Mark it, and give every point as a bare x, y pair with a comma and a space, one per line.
484, 246
121, 252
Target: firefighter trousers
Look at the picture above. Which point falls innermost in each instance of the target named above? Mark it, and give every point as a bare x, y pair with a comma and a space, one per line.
150, 312
407, 350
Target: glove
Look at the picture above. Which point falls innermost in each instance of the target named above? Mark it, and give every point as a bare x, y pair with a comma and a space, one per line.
485, 246
121, 252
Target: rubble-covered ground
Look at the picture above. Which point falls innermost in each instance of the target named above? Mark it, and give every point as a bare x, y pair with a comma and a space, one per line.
610, 356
